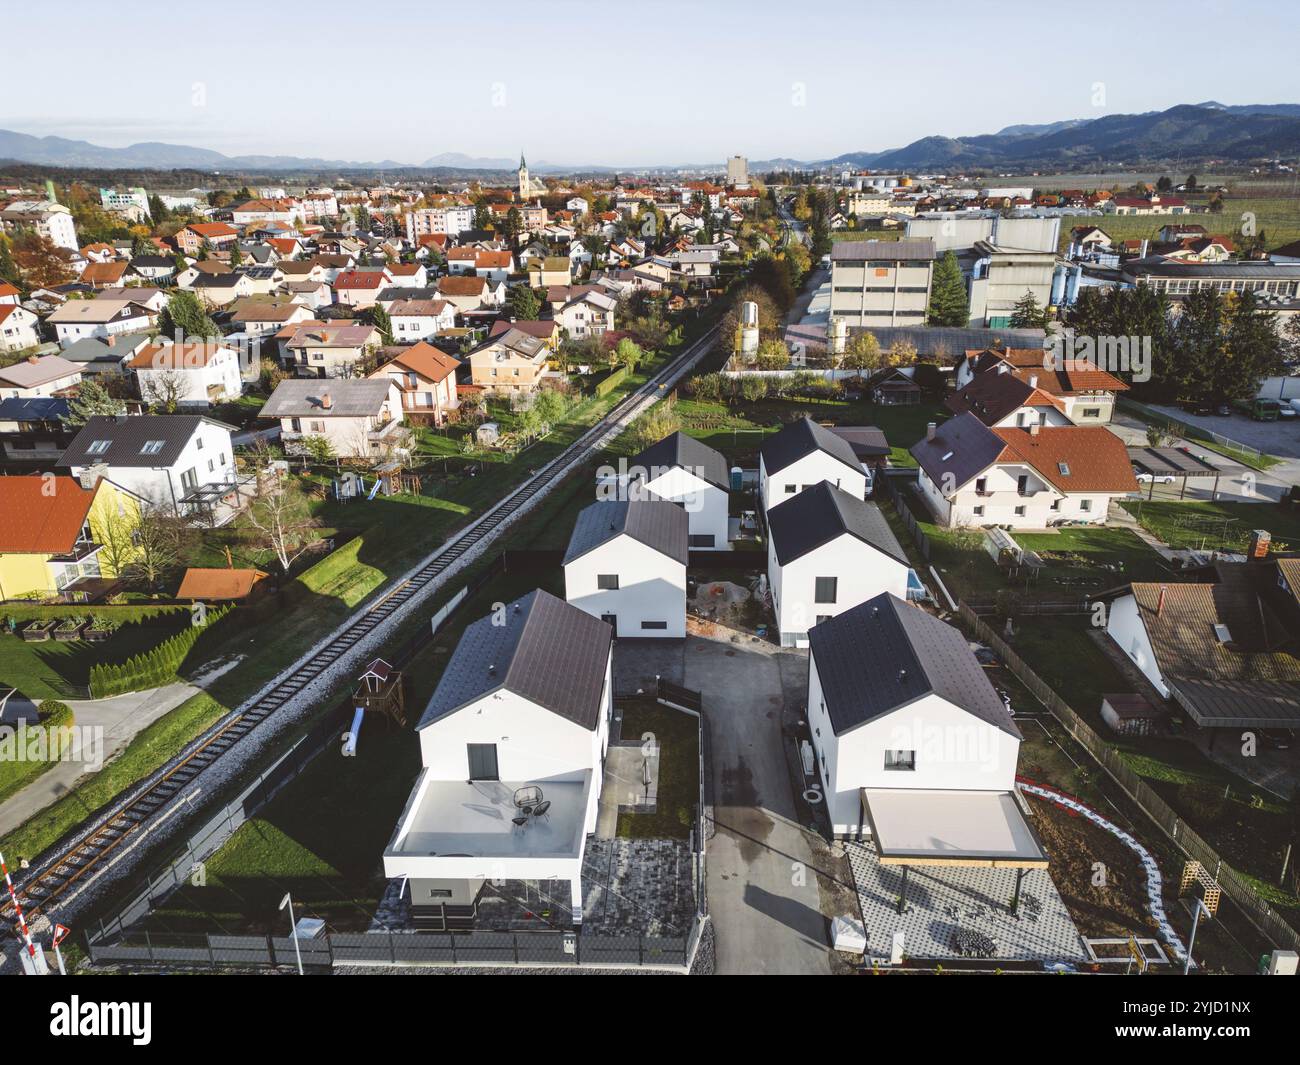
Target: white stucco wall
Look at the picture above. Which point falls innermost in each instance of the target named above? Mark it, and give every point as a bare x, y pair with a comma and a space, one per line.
706, 504
1124, 625
862, 572
811, 469
651, 588
954, 751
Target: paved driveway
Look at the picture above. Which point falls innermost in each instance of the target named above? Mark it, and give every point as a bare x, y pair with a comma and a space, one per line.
771, 882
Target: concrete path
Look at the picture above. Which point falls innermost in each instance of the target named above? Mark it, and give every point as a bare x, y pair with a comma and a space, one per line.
763, 866
117, 721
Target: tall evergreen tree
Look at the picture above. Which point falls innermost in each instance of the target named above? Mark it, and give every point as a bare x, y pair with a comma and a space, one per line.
949, 304
184, 313
1027, 314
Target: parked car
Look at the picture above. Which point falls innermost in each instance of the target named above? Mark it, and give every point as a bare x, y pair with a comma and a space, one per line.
1159, 478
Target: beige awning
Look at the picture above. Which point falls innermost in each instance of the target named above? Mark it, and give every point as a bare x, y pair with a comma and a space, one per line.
985, 829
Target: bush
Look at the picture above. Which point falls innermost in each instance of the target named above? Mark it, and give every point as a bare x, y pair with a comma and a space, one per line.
55, 714
706, 387
612, 381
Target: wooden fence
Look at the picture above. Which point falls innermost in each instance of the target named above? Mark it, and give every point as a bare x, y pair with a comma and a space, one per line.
1234, 885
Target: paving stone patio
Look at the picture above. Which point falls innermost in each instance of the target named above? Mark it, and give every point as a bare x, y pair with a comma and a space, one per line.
630, 887
942, 901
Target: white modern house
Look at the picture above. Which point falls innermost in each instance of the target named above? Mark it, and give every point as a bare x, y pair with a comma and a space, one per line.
18, 328
685, 471
914, 748
170, 460
804, 454
191, 375
828, 551
626, 564
1027, 478
101, 318
513, 748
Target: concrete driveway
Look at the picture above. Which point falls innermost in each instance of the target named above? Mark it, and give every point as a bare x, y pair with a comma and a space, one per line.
118, 720
772, 883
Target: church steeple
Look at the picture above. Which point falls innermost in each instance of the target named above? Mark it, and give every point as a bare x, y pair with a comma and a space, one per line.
524, 184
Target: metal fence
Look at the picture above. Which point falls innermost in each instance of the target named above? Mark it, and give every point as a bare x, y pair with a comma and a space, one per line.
479, 948
1234, 885
893, 486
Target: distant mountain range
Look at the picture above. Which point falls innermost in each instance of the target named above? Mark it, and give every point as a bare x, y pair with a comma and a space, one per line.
1186, 132
1208, 130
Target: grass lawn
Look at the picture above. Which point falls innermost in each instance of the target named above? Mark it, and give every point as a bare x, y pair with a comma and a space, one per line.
1224, 526
55, 670
677, 734
1248, 827
1079, 559
321, 838
1278, 217
737, 428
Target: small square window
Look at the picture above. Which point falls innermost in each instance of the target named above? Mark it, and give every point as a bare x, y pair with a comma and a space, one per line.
826, 589
607, 582
900, 761
978, 512
1020, 512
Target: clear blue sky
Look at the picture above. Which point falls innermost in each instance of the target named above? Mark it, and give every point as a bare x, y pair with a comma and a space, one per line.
620, 84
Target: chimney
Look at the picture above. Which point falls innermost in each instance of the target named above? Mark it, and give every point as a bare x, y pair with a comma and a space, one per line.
91, 475
1160, 602
326, 401
931, 430
33, 359
1034, 427
1033, 380
1260, 542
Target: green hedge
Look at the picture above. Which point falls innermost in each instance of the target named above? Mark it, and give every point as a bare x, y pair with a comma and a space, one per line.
615, 378
154, 668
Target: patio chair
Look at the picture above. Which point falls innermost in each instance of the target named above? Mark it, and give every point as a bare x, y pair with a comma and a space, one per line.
528, 796
542, 808
519, 821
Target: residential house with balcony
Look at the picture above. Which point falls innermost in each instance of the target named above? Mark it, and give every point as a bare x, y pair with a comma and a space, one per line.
331, 349
188, 376
1024, 478
426, 379
359, 418
181, 462
53, 531
513, 362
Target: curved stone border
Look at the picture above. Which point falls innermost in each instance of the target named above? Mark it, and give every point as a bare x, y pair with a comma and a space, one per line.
1155, 883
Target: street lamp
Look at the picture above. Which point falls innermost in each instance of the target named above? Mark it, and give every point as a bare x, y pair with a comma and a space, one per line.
293, 929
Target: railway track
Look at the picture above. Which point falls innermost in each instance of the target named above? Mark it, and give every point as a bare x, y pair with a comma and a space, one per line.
71, 864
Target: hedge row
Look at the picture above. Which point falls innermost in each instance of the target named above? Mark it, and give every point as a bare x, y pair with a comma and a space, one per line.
154, 668
615, 378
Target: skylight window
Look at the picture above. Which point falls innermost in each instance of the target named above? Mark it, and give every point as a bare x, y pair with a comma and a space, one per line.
152, 447
947, 456
97, 447
1064, 467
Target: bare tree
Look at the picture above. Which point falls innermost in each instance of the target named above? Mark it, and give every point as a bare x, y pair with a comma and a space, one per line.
282, 520
117, 537
163, 390
159, 537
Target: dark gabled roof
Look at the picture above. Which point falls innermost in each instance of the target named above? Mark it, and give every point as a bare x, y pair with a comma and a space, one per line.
802, 438
127, 435
819, 514
654, 522
547, 651
886, 653
963, 447
690, 454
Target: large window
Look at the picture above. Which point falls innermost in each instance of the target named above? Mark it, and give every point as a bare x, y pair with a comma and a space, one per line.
826, 589
900, 761
483, 761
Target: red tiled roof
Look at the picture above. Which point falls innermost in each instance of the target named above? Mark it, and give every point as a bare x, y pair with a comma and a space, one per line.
1096, 458
218, 583
40, 515
189, 356
361, 279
